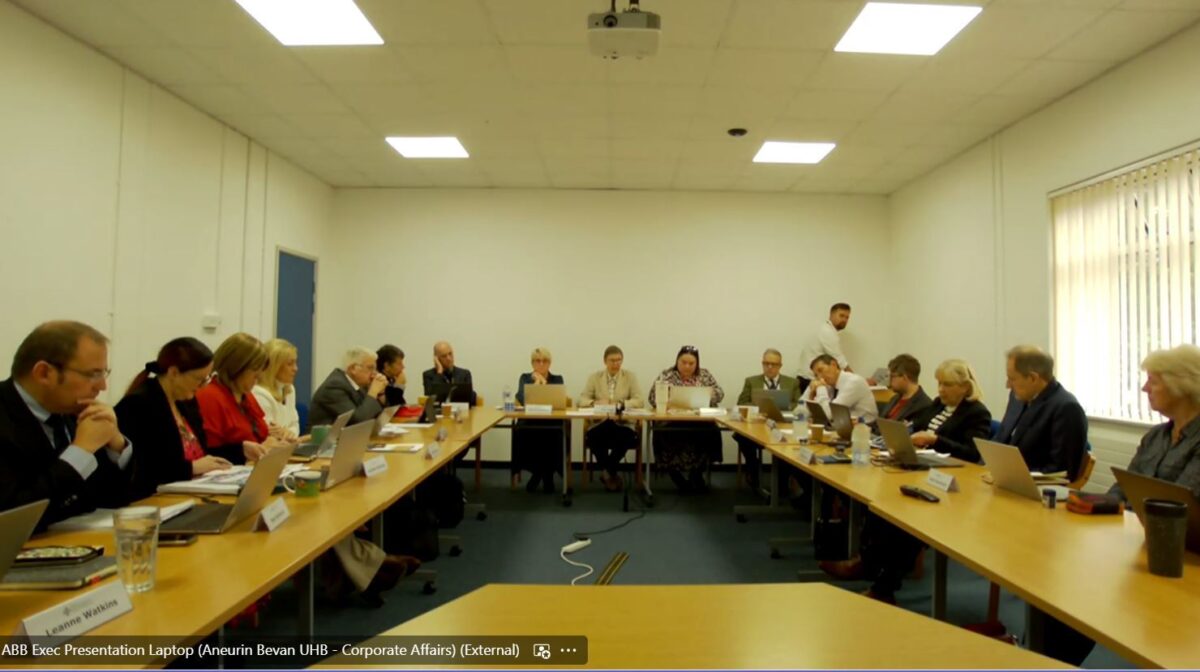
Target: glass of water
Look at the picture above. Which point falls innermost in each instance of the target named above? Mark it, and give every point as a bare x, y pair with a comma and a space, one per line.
136, 529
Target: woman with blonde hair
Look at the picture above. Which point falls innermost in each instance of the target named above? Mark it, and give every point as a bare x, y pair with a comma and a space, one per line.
1171, 451
234, 425
957, 416
537, 445
276, 392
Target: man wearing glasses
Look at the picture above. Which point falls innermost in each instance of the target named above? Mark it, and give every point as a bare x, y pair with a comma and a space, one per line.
910, 399
57, 440
771, 379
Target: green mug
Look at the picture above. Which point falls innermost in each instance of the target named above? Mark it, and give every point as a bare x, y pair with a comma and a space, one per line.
319, 432
306, 483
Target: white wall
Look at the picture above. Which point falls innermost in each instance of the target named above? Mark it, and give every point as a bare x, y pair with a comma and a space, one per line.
997, 195
499, 272
124, 207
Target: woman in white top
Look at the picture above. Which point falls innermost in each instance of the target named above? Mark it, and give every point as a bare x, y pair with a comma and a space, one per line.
275, 391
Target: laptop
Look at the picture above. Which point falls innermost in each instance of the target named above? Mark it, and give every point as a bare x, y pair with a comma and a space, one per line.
816, 414
684, 396
554, 396
16, 525
310, 450
1008, 468
217, 518
385, 416
1139, 488
460, 392
781, 398
348, 456
900, 446
767, 406
429, 412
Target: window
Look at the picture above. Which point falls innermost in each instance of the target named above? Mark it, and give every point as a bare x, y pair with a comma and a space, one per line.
1126, 280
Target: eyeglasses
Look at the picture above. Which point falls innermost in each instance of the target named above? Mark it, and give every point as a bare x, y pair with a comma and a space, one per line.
773, 364
541, 360
94, 376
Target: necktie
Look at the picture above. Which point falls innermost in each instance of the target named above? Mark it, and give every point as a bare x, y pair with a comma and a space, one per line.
833, 393
62, 439
772, 385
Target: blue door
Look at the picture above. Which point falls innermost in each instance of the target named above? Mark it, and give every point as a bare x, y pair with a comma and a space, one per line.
295, 306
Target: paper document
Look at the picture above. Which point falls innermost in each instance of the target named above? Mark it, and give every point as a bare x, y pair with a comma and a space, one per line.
222, 481
581, 412
397, 448
414, 425
392, 430
102, 519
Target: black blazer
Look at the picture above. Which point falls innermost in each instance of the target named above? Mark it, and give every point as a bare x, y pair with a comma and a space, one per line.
30, 469
971, 420
1051, 432
916, 405
336, 396
458, 376
146, 419
393, 396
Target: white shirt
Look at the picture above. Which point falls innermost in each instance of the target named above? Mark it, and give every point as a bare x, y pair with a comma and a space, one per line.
853, 393
826, 341
281, 413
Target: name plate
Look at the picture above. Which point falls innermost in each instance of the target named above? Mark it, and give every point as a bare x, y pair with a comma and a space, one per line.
374, 466
78, 615
806, 455
777, 436
942, 481
538, 409
605, 409
433, 450
272, 515
712, 412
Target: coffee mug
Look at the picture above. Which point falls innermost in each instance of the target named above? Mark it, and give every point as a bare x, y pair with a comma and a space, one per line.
305, 483
319, 432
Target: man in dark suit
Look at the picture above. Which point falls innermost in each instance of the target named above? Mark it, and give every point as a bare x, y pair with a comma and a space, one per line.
57, 440
356, 387
1043, 419
444, 372
390, 362
771, 379
904, 372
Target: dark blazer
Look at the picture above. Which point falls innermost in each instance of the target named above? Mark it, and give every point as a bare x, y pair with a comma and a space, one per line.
915, 407
336, 396
527, 379
393, 396
1051, 432
145, 418
458, 376
30, 469
786, 383
971, 420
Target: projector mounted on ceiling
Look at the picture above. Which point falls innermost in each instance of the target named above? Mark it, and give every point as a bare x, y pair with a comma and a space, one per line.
628, 34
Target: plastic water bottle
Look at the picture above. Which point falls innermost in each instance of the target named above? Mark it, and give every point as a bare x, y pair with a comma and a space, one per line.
510, 403
661, 390
860, 445
800, 426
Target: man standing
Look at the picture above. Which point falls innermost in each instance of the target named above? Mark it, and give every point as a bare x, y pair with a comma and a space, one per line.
390, 362
772, 364
356, 387
57, 440
833, 385
444, 374
1043, 419
827, 341
910, 399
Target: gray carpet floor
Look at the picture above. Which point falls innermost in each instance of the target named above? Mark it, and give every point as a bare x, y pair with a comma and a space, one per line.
683, 539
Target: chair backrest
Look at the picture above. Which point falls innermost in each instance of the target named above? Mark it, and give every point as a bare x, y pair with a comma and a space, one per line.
302, 413
1085, 472
995, 430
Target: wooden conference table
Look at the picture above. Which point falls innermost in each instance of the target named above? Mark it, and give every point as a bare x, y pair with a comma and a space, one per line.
1087, 571
200, 587
749, 626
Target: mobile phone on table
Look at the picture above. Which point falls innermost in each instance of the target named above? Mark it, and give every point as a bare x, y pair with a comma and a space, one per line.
49, 556
176, 538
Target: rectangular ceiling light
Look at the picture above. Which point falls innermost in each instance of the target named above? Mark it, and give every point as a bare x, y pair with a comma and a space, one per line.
793, 152
298, 23
891, 28
429, 148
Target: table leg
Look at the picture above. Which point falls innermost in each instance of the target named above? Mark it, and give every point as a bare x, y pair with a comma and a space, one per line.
306, 583
377, 529
772, 509
1035, 628
566, 434
647, 492
940, 567
854, 524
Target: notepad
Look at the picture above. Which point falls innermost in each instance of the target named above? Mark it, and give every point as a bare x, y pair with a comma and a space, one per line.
102, 519
60, 577
392, 430
222, 481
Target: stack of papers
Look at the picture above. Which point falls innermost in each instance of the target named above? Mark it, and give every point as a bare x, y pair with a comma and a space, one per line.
413, 425
222, 481
393, 430
102, 519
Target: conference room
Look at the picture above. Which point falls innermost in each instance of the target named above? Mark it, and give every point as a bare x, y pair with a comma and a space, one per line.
445, 210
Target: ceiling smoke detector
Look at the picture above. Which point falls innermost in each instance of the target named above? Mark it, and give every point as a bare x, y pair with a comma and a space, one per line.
631, 33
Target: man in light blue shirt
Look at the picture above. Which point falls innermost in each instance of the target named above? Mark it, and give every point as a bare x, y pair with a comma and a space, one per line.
58, 441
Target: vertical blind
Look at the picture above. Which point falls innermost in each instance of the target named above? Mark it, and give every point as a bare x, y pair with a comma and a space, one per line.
1125, 280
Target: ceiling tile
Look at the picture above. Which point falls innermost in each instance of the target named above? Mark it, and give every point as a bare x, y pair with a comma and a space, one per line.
402, 22
965, 75
633, 100
287, 99
885, 132
810, 131
644, 149
165, 66
220, 99
264, 128
454, 173
1119, 35
537, 22
762, 177
646, 174
834, 104
740, 102
823, 186
727, 150
669, 67
882, 187
1159, 5
687, 23
554, 65
380, 64
196, 23
923, 106
440, 64
330, 126
1018, 32
579, 150
958, 136
270, 65
871, 72
1048, 79
1001, 110
763, 68
99, 24
703, 178
789, 24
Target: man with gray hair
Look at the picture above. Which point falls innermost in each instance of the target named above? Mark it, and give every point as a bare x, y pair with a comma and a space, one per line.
357, 387
771, 379
1043, 419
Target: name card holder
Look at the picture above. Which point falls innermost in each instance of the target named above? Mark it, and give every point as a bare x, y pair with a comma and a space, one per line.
806, 455
942, 481
433, 450
777, 436
374, 466
538, 409
272, 515
76, 616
